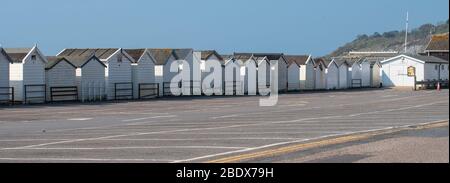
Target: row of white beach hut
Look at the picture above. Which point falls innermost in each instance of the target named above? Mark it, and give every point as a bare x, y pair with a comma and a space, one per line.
114, 73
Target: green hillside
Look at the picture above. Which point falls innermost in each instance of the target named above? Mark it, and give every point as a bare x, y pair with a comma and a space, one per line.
418, 38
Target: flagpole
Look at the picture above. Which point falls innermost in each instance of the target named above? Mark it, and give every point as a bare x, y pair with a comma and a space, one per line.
406, 32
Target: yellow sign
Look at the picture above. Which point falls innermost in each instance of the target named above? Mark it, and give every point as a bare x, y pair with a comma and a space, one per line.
411, 71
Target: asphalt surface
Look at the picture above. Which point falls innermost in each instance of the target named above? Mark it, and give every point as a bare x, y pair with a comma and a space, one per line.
406, 146
201, 129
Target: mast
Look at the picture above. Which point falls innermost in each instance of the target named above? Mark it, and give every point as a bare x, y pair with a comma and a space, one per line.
406, 32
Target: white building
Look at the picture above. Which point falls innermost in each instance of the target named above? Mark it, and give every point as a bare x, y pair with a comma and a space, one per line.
248, 71
307, 73
293, 74
277, 58
320, 77
118, 79
143, 72
394, 70
5, 60
59, 72
263, 75
355, 76
375, 72
366, 73
90, 77
207, 58
232, 77
191, 83
332, 76
163, 59
343, 73
27, 72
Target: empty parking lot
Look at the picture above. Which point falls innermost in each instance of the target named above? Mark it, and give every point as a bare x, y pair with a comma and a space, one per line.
200, 129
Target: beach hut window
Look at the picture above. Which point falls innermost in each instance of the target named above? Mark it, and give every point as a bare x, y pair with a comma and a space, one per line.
242, 71
159, 70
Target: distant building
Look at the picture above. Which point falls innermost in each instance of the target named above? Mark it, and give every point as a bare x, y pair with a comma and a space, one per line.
395, 70
27, 74
438, 46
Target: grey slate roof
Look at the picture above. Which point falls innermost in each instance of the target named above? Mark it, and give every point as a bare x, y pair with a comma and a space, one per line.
227, 57
320, 61
429, 59
205, 54
17, 54
350, 61
299, 59
182, 53
80, 61
2, 51
136, 54
243, 56
161, 56
101, 53
53, 60
340, 61
270, 56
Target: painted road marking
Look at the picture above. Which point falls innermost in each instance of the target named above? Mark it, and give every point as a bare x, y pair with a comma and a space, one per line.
118, 148
152, 117
79, 119
300, 141
227, 116
208, 139
338, 140
210, 128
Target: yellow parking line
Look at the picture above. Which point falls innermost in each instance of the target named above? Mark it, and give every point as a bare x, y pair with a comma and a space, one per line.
321, 143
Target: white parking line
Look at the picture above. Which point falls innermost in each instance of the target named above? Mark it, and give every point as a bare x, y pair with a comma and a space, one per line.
152, 117
79, 119
28, 140
208, 139
258, 133
118, 148
216, 128
227, 116
292, 142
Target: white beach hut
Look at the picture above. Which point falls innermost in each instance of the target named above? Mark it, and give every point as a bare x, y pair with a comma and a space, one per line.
143, 74
191, 83
332, 75
293, 75
375, 73
27, 74
320, 78
366, 73
209, 58
248, 71
343, 73
307, 73
277, 58
232, 77
163, 60
5, 91
118, 79
356, 77
90, 77
263, 75
61, 79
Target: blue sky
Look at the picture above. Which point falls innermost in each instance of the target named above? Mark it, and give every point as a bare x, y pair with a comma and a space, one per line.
291, 26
